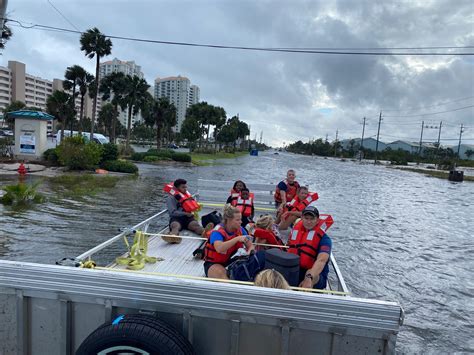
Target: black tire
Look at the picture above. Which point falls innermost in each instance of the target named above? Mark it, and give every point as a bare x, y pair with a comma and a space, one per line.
136, 332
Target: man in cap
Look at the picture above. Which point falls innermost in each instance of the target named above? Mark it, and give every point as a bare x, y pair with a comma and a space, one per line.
313, 246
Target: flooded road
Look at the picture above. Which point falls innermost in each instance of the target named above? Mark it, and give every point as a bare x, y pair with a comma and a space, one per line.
397, 235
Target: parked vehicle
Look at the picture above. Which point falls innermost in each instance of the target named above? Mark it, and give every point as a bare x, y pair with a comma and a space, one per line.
97, 137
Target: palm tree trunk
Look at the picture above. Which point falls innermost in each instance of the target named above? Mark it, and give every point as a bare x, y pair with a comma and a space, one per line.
114, 119
129, 128
94, 105
73, 104
208, 129
81, 114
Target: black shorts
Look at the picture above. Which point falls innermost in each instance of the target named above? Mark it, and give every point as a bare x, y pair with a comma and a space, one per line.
208, 264
183, 221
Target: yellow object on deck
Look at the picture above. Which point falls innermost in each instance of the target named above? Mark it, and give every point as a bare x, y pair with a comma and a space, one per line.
137, 257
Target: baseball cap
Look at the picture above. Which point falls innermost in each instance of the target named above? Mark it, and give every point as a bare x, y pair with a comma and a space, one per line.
311, 210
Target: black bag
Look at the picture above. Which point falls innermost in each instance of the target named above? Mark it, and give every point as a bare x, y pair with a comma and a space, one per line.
245, 268
213, 217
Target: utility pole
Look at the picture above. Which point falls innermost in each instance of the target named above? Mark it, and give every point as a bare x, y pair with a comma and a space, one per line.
378, 134
460, 135
439, 133
421, 137
261, 136
326, 137
3, 10
362, 141
335, 143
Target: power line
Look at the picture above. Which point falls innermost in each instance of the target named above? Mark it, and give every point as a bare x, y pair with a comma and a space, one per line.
437, 105
433, 113
262, 49
59, 12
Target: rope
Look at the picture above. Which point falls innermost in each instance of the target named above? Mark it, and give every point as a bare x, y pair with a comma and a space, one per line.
218, 280
222, 205
202, 238
137, 257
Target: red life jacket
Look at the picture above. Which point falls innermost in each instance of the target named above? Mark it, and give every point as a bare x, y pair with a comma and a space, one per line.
211, 254
290, 191
305, 243
186, 201
298, 205
244, 206
234, 193
325, 222
268, 236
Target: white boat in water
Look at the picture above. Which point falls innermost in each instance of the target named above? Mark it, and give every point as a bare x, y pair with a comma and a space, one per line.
168, 306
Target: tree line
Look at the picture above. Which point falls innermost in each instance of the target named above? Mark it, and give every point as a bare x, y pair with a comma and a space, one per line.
130, 94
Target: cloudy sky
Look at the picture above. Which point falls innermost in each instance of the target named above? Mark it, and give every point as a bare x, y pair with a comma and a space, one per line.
289, 96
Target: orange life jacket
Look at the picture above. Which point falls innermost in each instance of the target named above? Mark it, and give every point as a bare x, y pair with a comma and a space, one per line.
268, 236
325, 222
290, 191
305, 243
244, 206
298, 205
211, 254
186, 201
234, 193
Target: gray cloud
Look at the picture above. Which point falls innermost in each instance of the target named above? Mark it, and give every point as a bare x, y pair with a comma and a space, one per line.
279, 93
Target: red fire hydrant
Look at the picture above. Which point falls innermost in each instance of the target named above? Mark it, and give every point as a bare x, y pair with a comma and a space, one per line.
22, 170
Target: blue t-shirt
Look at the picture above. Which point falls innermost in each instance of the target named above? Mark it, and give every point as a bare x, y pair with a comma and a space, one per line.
282, 186
215, 235
325, 246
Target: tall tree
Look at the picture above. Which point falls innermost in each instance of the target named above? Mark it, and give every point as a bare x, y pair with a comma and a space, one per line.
160, 114
72, 76
206, 115
136, 98
13, 106
94, 43
59, 105
113, 86
107, 116
84, 82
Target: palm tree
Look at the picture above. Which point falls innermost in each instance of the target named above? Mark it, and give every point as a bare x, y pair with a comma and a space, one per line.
107, 116
113, 85
59, 105
136, 98
94, 43
84, 82
72, 76
162, 115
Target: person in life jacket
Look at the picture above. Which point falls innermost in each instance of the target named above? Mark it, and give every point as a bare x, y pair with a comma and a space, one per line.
244, 202
224, 241
235, 191
266, 232
313, 246
181, 207
293, 209
286, 190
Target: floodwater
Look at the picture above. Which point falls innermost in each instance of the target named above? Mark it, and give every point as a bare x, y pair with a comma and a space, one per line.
397, 235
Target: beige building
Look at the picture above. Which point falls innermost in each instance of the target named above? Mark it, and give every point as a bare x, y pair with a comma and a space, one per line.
180, 92
128, 68
17, 85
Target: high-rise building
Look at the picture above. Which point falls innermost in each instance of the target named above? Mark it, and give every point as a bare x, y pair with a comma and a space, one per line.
180, 92
17, 85
128, 68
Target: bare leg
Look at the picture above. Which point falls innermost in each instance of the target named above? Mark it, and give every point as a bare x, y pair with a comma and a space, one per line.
175, 227
195, 227
217, 271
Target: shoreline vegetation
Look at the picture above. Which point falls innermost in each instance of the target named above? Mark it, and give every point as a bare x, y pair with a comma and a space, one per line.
440, 174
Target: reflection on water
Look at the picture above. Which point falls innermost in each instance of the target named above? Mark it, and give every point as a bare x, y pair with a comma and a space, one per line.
397, 235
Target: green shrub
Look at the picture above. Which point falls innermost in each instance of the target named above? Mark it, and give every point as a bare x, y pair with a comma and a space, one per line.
75, 154
138, 156
51, 155
110, 152
182, 157
163, 153
123, 151
120, 166
150, 158
21, 193
204, 150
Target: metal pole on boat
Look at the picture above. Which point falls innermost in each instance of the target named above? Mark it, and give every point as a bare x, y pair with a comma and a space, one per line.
362, 141
378, 134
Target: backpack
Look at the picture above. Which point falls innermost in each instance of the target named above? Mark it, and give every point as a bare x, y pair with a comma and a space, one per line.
245, 268
213, 217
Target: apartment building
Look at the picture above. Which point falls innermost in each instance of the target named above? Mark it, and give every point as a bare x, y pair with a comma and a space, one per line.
128, 68
180, 92
17, 85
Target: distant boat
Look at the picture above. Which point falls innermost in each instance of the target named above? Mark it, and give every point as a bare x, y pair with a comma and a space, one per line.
276, 153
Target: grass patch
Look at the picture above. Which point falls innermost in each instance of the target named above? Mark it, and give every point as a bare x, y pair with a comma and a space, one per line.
435, 173
82, 184
203, 159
